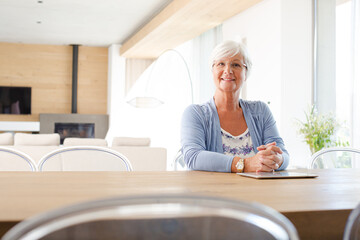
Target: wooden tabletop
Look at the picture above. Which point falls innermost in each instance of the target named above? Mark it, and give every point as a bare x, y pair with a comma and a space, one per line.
24, 194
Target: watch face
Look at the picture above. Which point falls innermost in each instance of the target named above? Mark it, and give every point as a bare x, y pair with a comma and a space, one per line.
240, 165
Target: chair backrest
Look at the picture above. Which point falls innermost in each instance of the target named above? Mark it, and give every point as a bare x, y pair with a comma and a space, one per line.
335, 157
179, 163
84, 158
85, 142
352, 228
15, 160
158, 217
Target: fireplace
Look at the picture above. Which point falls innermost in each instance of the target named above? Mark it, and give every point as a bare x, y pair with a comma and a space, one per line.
75, 125
82, 130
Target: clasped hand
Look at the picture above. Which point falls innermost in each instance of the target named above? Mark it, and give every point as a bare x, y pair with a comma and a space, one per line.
268, 158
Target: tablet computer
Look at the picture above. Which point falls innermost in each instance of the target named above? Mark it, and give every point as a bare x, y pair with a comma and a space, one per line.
280, 174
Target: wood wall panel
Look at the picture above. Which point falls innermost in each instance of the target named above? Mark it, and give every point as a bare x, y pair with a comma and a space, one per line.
48, 70
92, 85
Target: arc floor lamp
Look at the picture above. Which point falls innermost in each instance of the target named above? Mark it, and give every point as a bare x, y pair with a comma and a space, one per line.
151, 101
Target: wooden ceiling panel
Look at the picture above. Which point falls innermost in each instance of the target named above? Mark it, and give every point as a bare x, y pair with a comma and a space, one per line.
179, 22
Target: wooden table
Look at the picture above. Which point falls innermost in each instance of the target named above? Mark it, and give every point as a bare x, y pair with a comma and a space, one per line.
317, 207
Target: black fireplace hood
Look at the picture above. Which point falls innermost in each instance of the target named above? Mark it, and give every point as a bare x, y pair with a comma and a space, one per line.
74, 85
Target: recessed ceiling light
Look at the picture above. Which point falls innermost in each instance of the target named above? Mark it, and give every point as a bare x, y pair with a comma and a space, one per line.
38, 22
40, 1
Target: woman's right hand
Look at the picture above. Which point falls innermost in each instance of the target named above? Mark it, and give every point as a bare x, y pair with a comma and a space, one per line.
268, 158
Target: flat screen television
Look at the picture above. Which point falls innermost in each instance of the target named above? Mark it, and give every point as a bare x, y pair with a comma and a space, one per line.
15, 100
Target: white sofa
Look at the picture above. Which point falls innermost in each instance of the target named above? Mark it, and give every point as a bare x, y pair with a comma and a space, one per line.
141, 156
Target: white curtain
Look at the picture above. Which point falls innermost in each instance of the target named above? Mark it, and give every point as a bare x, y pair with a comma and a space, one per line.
356, 74
348, 70
202, 47
134, 69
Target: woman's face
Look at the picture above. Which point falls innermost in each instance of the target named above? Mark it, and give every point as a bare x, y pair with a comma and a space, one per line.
229, 73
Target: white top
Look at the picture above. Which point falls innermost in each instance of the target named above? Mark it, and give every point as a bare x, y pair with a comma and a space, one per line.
239, 146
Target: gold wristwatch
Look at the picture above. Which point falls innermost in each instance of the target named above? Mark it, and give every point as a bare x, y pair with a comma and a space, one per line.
240, 165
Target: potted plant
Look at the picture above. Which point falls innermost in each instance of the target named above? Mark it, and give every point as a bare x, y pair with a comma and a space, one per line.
319, 130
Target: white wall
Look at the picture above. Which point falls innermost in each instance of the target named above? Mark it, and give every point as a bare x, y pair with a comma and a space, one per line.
116, 89
278, 34
260, 26
297, 73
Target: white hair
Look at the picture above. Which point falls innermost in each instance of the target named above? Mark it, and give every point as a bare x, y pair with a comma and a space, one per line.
230, 49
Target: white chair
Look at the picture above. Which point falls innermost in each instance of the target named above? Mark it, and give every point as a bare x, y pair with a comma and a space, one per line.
84, 158
158, 217
15, 160
335, 157
179, 163
352, 227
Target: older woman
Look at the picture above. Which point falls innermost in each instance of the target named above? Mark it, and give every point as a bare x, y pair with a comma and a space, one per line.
228, 134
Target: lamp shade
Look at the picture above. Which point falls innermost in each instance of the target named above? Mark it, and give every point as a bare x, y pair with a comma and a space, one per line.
145, 102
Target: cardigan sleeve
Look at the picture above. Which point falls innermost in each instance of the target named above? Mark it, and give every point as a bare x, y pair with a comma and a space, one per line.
196, 149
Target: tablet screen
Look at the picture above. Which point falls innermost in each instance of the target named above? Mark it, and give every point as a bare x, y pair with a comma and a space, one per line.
280, 174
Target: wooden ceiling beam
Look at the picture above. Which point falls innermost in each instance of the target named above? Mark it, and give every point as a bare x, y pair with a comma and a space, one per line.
179, 22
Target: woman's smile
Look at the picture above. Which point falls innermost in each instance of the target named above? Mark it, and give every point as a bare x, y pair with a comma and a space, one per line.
228, 79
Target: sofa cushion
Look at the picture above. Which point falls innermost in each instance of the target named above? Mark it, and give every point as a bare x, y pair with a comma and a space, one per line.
145, 158
130, 141
35, 152
85, 142
6, 139
25, 139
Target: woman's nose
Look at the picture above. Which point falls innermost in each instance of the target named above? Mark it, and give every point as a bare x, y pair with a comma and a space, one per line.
228, 68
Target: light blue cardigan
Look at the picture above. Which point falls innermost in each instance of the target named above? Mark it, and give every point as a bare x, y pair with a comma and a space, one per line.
201, 135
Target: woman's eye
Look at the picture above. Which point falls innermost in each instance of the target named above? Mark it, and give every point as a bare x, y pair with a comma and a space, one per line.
236, 65
221, 64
